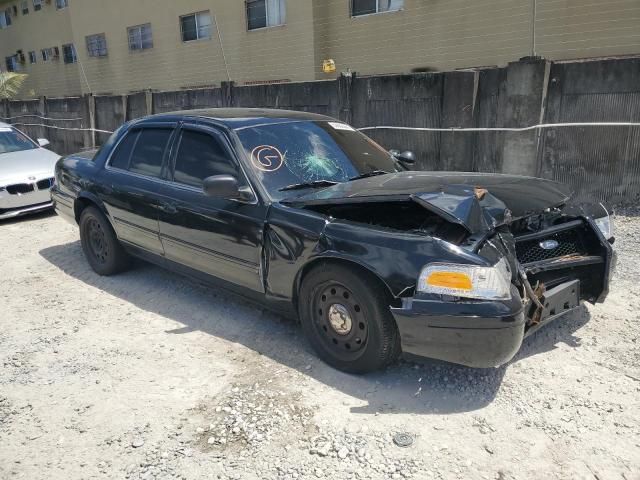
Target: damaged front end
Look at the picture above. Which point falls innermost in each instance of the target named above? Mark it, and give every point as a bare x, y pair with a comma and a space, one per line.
556, 258
519, 255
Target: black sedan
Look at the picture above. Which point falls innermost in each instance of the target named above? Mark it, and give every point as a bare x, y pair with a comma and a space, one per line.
309, 217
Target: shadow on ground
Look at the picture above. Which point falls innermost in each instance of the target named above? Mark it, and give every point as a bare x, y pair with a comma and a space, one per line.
431, 387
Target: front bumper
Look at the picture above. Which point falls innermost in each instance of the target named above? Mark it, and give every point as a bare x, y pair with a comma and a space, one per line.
479, 334
26, 197
17, 212
474, 333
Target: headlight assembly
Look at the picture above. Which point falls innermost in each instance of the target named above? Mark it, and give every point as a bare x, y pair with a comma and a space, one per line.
467, 281
605, 224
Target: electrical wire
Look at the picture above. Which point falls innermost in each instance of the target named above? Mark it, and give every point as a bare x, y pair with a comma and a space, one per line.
420, 129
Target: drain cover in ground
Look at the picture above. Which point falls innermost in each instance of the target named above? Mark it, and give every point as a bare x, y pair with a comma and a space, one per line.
402, 439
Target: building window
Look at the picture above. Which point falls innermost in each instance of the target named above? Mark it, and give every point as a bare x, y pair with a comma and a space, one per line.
5, 18
25, 7
62, 4
97, 45
265, 13
13, 63
140, 37
366, 7
52, 53
196, 26
37, 5
32, 57
69, 53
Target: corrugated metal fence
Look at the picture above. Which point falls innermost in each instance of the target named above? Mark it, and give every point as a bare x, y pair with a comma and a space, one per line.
598, 162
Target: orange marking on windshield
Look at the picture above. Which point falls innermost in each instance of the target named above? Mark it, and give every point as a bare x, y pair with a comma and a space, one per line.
267, 158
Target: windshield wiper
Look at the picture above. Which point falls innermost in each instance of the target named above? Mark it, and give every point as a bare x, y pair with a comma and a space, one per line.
314, 184
373, 173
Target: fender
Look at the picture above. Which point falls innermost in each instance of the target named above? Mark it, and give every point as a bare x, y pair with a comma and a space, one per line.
85, 197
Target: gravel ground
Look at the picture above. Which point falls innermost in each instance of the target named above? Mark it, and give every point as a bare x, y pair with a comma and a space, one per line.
148, 375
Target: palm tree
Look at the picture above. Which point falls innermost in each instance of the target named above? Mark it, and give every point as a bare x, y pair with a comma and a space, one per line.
10, 84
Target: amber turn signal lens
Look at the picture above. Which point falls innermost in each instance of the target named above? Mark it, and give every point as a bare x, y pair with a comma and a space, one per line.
457, 280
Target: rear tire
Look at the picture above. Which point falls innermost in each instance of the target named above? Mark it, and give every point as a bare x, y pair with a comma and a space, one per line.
346, 318
100, 244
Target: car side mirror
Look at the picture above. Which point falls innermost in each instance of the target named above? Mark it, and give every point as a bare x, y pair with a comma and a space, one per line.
43, 142
225, 186
407, 158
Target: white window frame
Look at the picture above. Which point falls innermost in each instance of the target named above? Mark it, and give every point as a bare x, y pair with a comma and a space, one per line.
197, 16
33, 57
377, 12
46, 54
140, 46
37, 5
60, 4
266, 10
91, 42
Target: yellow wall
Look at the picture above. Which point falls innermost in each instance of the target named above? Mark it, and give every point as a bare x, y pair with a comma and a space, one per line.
567, 29
37, 30
433, 34
264, 54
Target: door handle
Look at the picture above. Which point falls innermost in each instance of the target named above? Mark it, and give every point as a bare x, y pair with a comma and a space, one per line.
168, 208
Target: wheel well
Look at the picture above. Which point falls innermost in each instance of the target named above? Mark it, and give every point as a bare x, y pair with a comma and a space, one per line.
317, 263
80, 204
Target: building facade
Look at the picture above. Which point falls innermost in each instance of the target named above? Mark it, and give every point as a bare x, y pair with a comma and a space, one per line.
73, 47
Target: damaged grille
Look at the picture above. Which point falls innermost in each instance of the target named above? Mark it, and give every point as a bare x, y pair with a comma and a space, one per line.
19, 188
530, 251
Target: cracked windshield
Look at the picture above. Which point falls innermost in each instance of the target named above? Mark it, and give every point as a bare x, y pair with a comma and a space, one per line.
304, 155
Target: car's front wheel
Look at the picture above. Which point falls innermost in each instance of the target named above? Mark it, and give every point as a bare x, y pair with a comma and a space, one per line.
100, 244
345, 315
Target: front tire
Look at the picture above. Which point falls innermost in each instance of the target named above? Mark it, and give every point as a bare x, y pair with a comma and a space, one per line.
346, 318
100, 244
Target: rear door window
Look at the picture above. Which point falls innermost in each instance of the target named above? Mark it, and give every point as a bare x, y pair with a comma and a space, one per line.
201, 155
148, 152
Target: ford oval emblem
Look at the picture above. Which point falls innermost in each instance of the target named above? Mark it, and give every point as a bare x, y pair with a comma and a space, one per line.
549, 244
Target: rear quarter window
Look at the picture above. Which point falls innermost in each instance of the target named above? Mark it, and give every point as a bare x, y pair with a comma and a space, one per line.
122, 155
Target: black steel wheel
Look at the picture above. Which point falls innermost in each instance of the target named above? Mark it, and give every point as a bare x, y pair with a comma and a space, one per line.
339, 320
100, 244
345, 315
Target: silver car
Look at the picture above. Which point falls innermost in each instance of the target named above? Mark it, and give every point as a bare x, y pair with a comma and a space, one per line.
26, 173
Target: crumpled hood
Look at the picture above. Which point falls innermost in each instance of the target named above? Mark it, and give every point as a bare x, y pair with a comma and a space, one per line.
477, 201
18, 166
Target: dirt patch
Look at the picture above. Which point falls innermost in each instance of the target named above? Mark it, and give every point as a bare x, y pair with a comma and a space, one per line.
147, 375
